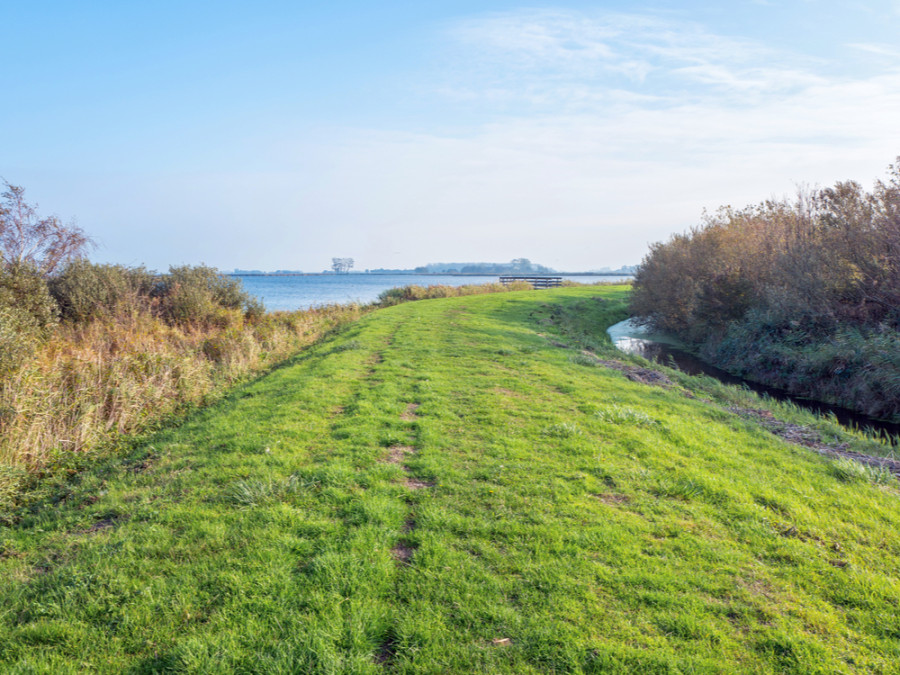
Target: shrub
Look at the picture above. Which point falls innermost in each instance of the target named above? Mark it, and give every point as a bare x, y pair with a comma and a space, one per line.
196, 294
24, 289
86, 291
19, 334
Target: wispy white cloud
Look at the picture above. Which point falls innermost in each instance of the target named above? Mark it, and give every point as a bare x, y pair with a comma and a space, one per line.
547, 56
878, 49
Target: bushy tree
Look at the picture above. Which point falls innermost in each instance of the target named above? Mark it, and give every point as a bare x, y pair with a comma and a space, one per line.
199, 293
827, 257
86, 291
341, 265
25, 290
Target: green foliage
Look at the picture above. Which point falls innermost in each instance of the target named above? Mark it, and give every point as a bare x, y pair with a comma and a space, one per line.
583, 360
19, 336
24, 289
27, 314
850, 471
854, 366
562, 430
199, 294
620, 414
85, 291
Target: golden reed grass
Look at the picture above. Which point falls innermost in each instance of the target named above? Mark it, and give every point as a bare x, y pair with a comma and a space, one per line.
89, 384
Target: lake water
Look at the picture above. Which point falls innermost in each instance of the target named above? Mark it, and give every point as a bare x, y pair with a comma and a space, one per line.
303, 292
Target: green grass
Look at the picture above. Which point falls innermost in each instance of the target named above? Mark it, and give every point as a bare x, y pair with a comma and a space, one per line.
541, 514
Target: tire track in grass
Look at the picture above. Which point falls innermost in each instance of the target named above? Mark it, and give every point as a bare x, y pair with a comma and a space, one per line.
366, 377
405, 548
398, 454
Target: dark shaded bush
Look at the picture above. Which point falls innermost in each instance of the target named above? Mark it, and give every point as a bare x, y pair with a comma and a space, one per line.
20, 334
27, 315
25, 290
86, 291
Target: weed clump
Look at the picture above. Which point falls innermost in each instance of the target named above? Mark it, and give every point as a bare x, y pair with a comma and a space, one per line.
583, 360
618, 414
562, 430
849, 471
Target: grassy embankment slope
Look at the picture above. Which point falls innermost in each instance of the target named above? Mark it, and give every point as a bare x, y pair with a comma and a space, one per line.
440, 488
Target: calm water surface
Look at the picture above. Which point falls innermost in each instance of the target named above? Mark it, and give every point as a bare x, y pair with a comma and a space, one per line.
303, 292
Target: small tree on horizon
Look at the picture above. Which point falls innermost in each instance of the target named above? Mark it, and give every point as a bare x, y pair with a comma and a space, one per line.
341, 265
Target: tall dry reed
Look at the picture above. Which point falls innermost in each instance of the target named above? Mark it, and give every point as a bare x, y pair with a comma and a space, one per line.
90, 383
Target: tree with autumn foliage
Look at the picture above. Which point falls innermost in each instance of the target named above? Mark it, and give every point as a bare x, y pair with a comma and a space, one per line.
30, 241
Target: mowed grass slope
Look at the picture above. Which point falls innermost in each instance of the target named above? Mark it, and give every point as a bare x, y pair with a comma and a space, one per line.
442, 489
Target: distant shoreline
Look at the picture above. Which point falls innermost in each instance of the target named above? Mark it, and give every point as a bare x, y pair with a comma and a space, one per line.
423, 274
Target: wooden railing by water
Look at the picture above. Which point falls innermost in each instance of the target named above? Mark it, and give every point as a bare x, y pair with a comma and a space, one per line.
536, 281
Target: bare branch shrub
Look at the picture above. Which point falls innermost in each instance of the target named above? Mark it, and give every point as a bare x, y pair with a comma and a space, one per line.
27, 239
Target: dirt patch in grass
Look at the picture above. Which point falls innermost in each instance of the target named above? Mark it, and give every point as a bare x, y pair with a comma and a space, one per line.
613, 499
638, 374
410, 413
397, 453
385, 654
7, 551
402, 553
141, 467
416, 484
100, 526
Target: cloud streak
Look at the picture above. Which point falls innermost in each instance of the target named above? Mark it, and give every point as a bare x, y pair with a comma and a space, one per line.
549, 56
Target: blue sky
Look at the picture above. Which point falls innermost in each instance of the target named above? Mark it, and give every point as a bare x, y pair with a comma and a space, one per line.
280, 134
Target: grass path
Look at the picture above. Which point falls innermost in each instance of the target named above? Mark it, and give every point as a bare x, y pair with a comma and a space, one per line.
441, 489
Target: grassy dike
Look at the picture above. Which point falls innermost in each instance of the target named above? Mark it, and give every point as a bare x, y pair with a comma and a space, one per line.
443, 487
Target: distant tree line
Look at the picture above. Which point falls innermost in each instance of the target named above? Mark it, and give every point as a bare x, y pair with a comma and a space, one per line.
515, 266
802, 293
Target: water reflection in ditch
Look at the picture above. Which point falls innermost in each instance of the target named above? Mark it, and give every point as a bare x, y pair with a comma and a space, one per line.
634, 339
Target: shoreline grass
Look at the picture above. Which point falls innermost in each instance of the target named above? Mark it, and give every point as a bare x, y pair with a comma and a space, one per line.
97, 384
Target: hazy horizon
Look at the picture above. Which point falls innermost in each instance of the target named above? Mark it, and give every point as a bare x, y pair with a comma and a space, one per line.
281, 135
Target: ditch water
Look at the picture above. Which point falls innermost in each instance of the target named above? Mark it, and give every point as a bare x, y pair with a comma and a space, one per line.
634, 339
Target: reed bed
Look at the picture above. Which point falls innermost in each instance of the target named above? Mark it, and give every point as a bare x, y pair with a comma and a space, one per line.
90, 384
